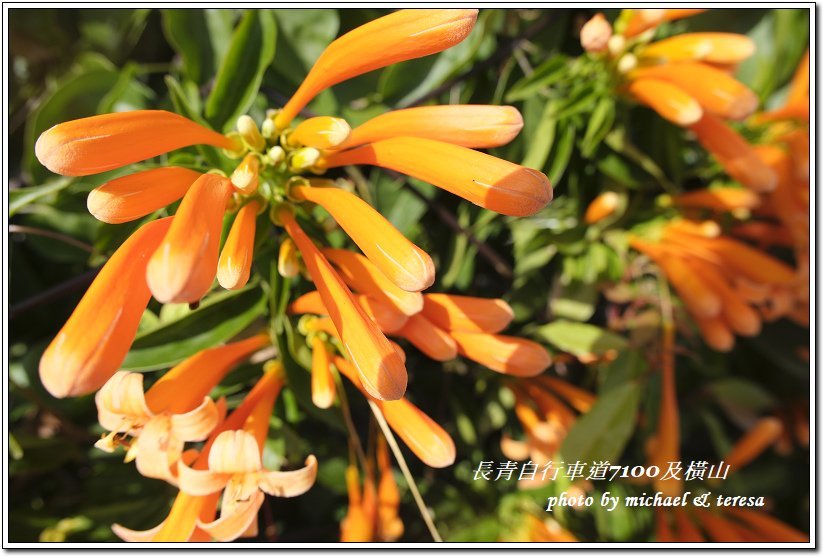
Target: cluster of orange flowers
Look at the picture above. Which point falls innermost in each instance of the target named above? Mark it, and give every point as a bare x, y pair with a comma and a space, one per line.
176, 260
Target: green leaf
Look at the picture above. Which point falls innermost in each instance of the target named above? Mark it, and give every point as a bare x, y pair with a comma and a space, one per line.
549, 72
603, 432
580, 338
576, 301
599, 125
201, 37
541, 141
219, 318
562, 152
20, 197
302, 36
241, 72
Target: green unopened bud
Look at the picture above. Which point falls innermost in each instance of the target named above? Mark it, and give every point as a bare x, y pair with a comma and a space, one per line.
239, 148
267, 129
275, 155
250, 133
303, 158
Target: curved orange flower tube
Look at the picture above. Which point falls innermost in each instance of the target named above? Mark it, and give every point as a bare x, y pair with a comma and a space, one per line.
401, 261
505, 354
92, 344
323, 382
235, 261
667, 99
403, 35
137, 195
429, 338
453, 312
108, 141
482, 179
380, 368
717, 48
184, 265
468, 125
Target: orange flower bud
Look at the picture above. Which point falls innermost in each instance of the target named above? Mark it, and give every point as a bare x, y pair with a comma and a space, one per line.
245, 176
505, 354
184, 265
92, 344
714, 90
323, 382
718, 199
717, 48
668, 100
130, 197
235, 262
601, 207
487, 181
322, 132
400, 260
595, 34
453, 312
288, 266
362, 275
643, 19
380, 368
469, 125
737, 157
108, 141
429, 338
716, 333
403, 35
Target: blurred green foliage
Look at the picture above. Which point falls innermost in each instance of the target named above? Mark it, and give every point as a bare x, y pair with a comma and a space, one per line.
563, 278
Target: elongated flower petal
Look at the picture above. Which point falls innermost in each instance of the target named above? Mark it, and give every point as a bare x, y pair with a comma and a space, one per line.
323, 382
92, 344
487, 181
716, 333
714, 90
643, 19
505, 354
403, 35
122, 395
429, 338
667, 99
469, 125
363, 276
421, 434
100, 143
765, 432
290, 483
718, 48
197, 424
381, 370
576, 397
467, 313
403, 262
322, 132
235, 523
737, 157
235, 261
718, 199
386, 318
750, 262
184, 265
601, 207
137, 195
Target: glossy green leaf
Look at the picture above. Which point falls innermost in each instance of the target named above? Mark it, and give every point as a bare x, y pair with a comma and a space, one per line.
580, 338
201, 37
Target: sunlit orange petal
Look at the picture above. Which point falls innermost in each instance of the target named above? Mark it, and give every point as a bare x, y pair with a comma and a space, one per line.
765, 432
137, 195
380, 368
390, 526
718, 48
601, 207
751, 262
667, 99
643, 19
322, 132
467, 313
429, 338
714, 90
233, 525
363, 276
184, 265
245, 176
716, 332
487, 181
121, 396
578, 398
403, 35
718, 199
235, 261
469, 125
323, 383
290, 483
92, 344
400, 260
183, 388
733, 153
505, 354
100, 143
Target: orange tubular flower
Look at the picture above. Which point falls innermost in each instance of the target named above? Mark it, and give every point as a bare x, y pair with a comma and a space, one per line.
385, 317
390, 526
137, 195
245, 176
100, 143
714, 90
322, 132
380, 368
482, 179
176, 409
718, 199
469, 125
601, 207
184, 265
716, 48
357, 525
667, 99
737, 157
235, 261
403, 35
505, 354
92, 344
595, 34
363, 276
466, 313
323, 382
763, 434
643, 19
400, 260
421, 434
428, 338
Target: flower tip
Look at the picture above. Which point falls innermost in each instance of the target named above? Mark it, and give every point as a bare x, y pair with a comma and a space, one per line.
596, 33
390, 379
